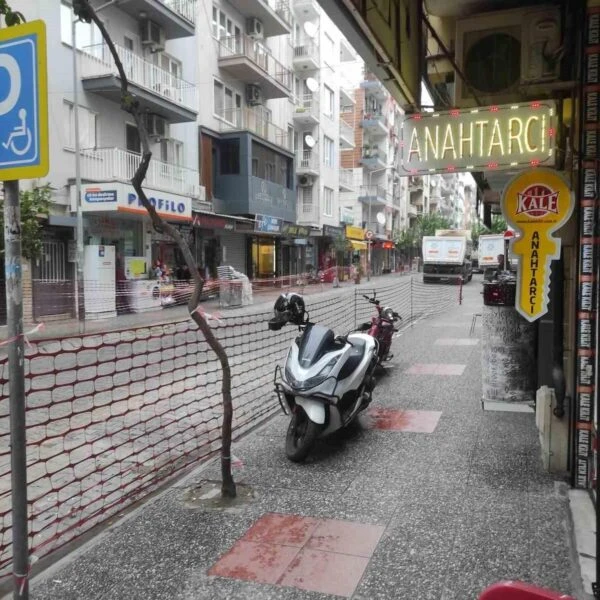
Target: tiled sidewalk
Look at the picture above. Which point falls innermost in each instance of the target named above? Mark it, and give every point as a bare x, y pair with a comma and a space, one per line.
426, 498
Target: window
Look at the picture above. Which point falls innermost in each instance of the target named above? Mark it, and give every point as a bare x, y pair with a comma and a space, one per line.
87, 126
328, 151
227, 104
132, 139
224, 29
86, 34
230, 157
306, 198
171, 151
270, 165
328, 202
329, 107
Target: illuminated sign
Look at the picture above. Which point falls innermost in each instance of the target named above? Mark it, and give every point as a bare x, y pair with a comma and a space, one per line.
484, 138
536, 203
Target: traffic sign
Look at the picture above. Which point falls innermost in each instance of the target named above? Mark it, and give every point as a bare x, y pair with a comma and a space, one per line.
23, 102
369, 234
509, 234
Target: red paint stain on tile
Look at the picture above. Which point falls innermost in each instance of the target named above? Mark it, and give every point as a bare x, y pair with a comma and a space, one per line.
289, 530
359, 539
325, 572
332, 559
435, 369
265, 563
410, 421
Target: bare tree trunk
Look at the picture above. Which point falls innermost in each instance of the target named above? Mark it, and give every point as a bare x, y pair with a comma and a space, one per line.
130, 104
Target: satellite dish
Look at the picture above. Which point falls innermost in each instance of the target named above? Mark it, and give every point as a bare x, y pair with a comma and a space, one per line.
310, 29
309, 141
312, 84
381, 218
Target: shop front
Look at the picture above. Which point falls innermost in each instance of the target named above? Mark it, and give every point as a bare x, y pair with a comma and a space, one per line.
356, 237
293, 249
122, 253
382, 256
334, 257
265, 248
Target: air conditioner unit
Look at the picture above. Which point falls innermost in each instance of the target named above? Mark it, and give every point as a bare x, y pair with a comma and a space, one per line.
254, 28
305, 180
253, 94
157, 126
500, 53
153, 35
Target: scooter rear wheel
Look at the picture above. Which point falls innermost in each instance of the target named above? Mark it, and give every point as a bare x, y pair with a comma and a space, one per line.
301, 436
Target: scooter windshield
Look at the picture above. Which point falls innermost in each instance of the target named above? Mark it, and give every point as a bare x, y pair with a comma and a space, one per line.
315, 342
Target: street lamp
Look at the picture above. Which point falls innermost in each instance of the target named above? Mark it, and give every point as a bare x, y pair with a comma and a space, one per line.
369, 219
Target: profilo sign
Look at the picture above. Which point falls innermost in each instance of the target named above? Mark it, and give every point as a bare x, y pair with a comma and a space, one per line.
484, 138
536, 203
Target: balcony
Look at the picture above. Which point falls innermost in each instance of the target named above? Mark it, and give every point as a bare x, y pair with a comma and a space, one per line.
249, 60
411, 210
346, 135
275, 20
307, 162
346, 180
375, 124
347, 53
306, 10
176, 18
306, 109
373, 158
347, 96
374, 87
158, 90
117, 164
306, 56
415, 182
375, 195
308, 211
250, 119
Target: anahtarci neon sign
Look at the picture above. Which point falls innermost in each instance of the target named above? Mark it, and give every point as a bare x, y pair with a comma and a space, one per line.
492, 137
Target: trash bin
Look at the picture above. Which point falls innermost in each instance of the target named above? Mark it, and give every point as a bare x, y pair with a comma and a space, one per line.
508, 348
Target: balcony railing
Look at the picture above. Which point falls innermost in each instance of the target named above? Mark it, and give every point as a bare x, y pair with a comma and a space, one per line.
257, 53
185, 8
305, 105
306, 50
97, 61
370, 153
283, 10
347, 178
377, 192
110, 164
346, 130
255, 121
307, 160
308, 212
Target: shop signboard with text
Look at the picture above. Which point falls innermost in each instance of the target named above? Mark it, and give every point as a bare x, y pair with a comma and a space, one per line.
536, 203
333, 232
292, 230
484, 138
268, 224
120, 197
355, 233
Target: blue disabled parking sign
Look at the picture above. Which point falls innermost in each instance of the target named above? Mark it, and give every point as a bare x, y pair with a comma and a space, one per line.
23, 102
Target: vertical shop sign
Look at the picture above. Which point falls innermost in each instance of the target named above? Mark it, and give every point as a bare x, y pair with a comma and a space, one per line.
588, 260
536, 203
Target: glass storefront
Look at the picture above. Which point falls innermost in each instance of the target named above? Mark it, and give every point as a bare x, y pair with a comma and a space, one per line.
126, 235
264, 258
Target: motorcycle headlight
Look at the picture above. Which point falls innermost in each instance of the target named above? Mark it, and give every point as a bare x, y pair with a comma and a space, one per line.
313, 381
387, 313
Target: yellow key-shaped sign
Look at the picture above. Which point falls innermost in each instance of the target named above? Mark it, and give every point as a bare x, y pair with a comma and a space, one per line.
536, 203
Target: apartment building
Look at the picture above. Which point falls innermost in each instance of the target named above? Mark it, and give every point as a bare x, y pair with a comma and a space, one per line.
379, 203
153, 38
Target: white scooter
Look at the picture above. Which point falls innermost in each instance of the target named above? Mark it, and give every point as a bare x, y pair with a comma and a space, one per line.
326, 380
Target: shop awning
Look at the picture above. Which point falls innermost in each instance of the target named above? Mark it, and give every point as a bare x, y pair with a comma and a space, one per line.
356, 245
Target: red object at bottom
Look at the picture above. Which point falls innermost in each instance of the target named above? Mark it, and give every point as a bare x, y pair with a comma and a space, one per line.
515, 590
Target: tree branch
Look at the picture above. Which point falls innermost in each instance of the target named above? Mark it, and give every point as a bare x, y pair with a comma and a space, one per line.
130, 104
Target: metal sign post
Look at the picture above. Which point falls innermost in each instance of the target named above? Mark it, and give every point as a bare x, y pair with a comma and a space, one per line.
23, 154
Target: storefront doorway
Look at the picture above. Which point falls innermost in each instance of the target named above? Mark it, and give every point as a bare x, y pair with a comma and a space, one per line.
264, 253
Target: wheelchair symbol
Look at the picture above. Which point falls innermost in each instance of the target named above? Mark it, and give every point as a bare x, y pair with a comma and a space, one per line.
20, 131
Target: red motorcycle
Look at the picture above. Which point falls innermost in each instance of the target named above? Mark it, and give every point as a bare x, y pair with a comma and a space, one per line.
381, 328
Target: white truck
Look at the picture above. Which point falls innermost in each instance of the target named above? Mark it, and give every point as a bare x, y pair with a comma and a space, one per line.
490, 247
447, 256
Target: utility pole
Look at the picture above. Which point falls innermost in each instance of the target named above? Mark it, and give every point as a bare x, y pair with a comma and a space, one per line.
16, 375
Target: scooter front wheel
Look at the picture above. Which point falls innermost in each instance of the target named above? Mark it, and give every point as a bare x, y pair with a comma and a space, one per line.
301, 436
